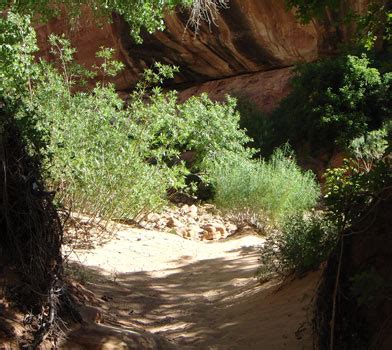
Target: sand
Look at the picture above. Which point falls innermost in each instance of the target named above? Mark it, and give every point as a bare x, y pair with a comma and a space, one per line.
160, 291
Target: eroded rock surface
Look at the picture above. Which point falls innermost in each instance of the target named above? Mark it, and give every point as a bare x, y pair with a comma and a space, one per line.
251, 47
250, 36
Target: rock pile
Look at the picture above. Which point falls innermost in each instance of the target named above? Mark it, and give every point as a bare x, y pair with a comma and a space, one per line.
191, 222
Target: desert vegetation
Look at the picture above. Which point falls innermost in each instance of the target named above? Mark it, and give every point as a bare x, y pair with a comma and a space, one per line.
69, 143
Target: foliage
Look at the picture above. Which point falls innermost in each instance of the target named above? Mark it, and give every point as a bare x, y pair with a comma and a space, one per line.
74, 74
115, 160
351, 98
220, 134
306, 10
109, 67
271, 189
304, 243
369, 148
146, 13
17, 46
17, 75
375, 24
350, 189
94, 147
93, 165
257, 125
372, 24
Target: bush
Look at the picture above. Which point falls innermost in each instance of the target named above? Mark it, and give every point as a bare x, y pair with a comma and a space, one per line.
333, 101
305, 242
257, 125
17, 72
117, 160
95, 165
352, 188
271, 189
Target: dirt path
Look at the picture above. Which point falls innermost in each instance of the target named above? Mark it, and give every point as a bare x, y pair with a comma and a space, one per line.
190, 295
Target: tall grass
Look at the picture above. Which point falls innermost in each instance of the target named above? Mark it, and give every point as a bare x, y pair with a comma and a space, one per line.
273, 189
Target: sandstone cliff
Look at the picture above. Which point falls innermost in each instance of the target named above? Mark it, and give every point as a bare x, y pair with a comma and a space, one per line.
250, 37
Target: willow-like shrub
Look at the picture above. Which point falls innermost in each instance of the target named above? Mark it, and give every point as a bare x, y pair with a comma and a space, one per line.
273, 189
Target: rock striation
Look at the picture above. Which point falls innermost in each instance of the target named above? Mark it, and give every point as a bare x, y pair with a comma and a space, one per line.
249, 38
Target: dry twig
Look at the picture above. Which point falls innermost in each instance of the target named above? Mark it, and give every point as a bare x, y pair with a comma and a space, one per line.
205, 11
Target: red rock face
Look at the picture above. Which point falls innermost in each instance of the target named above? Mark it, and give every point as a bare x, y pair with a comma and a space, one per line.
264, 89
250, 37
87, 38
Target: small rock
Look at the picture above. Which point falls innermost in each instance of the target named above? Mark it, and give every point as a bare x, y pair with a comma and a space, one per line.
232, 228
106, 298
153, 217
161, 223
185, 209
209, 208
192, 221
209, 228
181, 231
221, 229
194, 232
209, 235
173, 222
193, 212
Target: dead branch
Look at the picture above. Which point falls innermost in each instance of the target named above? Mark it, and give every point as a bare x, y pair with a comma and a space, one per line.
205, 11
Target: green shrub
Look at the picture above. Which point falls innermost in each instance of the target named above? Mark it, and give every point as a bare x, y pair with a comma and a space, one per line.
257, 125
271, 189
305, 241
352, 188
369, 147
333, 101
199, 125
117, 160
17, 74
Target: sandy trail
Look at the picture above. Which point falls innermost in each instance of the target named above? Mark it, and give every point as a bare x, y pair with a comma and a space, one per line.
191, 295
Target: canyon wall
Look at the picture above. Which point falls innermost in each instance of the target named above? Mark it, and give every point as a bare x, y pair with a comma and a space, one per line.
248, 50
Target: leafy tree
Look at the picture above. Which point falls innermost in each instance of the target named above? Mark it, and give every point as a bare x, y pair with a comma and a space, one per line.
375, 23
333, 101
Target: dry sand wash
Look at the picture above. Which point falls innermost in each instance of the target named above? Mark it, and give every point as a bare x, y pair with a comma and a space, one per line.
164, 292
